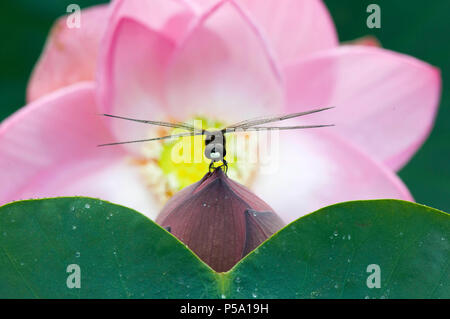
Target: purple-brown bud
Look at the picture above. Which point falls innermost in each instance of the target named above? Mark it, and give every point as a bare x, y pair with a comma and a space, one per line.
219, 219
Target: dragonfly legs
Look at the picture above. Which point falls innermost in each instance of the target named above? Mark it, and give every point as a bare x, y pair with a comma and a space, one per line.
224, 166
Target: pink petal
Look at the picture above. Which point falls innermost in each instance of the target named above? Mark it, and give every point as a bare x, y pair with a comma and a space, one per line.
385, 102
170, 17
368, 40
49, 148
294, 28
69, 55
223, 69
314, 169
131, 77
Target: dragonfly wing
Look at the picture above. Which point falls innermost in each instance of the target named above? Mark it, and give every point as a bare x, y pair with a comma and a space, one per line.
281, 128
266, 120
156, 138
158, 123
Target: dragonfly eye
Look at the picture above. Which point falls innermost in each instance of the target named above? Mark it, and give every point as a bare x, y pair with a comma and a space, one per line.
209, 138
216, 137
214, 152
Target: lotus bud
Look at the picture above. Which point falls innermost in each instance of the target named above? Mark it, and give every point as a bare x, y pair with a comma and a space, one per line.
219, 219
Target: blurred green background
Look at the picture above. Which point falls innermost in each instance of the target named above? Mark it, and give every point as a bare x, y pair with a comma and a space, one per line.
416, 27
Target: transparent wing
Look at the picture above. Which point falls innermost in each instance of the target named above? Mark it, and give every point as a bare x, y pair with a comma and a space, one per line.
158, 123
156, 138
265, 120
268, 128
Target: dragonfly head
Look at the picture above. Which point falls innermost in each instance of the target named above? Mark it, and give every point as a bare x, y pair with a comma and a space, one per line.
215, 146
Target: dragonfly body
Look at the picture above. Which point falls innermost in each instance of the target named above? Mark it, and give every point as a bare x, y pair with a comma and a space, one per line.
215, 147
215, 141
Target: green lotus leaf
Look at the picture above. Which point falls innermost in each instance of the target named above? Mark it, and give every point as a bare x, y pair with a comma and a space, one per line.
347, 250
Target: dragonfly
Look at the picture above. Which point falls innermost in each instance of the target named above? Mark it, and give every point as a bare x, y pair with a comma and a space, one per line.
215, 141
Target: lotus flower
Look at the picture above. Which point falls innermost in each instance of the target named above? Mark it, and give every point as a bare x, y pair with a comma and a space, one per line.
219, 219
221, 61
